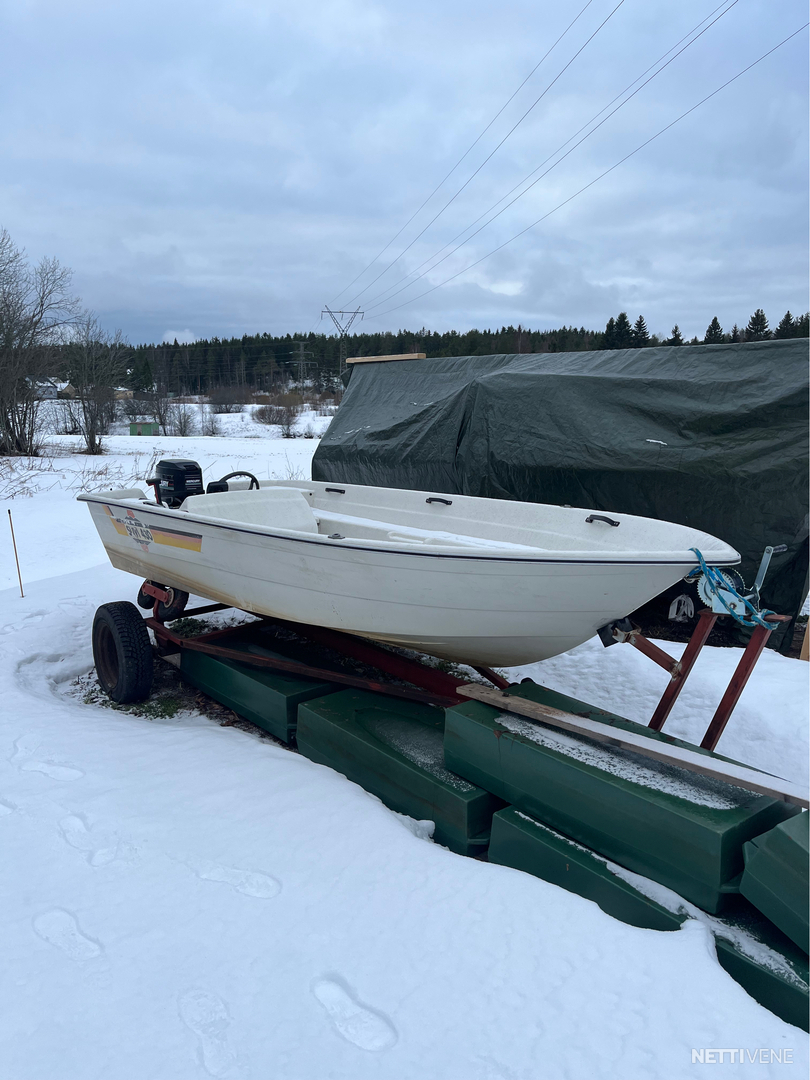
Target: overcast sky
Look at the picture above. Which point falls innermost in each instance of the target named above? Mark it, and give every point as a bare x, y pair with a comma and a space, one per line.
229, 167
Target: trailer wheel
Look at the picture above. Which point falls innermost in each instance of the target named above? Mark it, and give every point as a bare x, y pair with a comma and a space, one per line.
122, 652
166, 612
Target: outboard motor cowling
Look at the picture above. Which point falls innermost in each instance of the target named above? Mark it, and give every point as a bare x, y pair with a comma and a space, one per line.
175, 479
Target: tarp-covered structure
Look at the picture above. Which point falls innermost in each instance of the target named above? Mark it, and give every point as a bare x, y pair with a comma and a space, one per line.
712, 436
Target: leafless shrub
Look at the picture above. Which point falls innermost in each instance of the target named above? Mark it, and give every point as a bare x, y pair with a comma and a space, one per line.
112, 474
210, 424
269, 414
284, 415
22, 477
135, 408
287, 425
66, 420
183, 420
227, 399
290, 471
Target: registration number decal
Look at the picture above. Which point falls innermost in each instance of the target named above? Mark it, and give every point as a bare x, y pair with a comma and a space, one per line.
145, 535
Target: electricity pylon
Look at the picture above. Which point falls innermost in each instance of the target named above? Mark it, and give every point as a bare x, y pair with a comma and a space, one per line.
342, 329
300, 353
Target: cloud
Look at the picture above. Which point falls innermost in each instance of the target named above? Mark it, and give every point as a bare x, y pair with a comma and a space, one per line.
183, 337
235, 171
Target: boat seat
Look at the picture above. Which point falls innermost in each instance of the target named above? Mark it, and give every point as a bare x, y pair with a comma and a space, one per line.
276, 508
409, 534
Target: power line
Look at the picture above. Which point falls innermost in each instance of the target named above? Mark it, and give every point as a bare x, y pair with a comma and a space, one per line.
559, 161
207, 343
410, 274
492, 153
597, 178
464, 155
342, 329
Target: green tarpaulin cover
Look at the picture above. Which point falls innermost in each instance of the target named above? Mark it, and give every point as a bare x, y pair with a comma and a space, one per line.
712, 436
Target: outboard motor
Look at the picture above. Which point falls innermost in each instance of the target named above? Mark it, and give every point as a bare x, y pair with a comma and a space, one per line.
176, 479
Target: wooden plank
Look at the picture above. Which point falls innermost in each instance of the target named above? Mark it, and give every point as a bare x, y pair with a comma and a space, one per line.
805, 653
739, 775
382, 359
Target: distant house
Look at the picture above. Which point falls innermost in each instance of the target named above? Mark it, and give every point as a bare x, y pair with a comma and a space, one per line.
67, 393
123, 394
46, 391
144, 427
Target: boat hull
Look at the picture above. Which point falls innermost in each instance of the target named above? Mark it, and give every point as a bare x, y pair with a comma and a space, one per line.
485, 610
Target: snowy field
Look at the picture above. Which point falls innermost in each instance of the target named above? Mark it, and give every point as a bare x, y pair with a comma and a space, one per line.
183, 900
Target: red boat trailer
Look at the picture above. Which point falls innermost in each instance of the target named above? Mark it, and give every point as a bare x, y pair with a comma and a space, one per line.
418, 681
415, 680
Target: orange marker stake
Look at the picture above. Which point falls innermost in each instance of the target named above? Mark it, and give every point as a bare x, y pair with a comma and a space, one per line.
16, 558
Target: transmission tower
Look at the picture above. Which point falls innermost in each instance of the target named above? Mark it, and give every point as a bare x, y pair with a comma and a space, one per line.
300, 353
342, 329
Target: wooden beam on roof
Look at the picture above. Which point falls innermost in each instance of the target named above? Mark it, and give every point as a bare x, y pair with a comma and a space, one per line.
382, 359
703, 764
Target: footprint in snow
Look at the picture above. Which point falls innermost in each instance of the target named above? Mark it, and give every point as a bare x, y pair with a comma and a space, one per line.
357, 1023
207, 1017
60, 929
99, 847
249, 882
5, 808
14, 628
25, 749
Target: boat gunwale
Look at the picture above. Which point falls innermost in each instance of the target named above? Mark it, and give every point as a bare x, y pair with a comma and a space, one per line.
324, 541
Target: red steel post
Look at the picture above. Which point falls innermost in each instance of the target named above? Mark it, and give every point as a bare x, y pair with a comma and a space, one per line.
493, 676
701, 632
740, 677
663, 659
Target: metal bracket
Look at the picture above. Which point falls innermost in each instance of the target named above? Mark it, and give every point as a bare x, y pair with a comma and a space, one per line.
624, 631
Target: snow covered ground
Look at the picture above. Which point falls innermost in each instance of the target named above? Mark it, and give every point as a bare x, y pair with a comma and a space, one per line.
182, 900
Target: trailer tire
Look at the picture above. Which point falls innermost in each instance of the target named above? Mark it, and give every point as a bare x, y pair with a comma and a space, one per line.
166, 612
175, 607
122, 652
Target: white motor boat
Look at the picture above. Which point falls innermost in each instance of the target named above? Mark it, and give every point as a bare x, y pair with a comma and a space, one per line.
482, 581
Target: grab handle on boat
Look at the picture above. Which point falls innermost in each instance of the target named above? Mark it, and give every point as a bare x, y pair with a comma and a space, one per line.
600, 517
432, 499
338, 491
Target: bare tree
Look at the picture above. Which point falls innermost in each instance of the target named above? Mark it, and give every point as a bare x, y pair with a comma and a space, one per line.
36, 310
184, 421
96, 364
158, 398
209, 423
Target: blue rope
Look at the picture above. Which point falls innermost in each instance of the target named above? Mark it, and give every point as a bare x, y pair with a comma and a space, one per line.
717, 582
